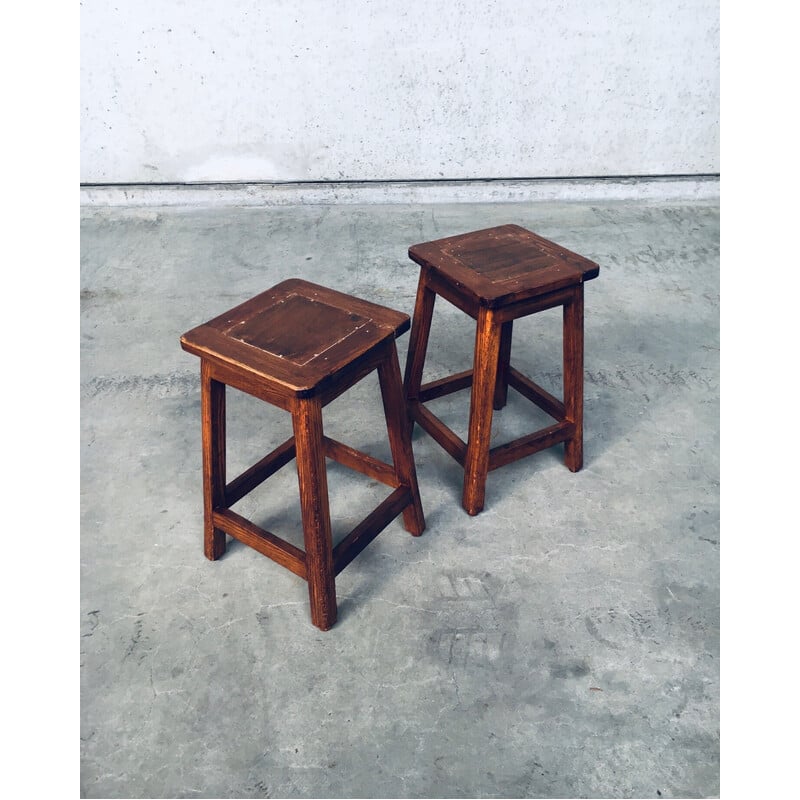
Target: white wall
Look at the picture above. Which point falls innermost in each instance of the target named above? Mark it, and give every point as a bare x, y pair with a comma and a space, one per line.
260, 90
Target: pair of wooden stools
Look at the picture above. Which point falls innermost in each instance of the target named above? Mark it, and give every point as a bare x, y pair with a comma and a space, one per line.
299, 346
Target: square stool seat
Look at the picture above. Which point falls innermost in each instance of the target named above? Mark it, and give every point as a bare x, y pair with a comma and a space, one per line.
497, 275
498, 266
299, 346
296, 337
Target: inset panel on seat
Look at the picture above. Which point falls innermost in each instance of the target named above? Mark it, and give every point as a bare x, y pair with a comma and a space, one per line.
297, 328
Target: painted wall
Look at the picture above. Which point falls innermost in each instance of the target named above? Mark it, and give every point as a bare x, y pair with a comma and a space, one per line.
260, 90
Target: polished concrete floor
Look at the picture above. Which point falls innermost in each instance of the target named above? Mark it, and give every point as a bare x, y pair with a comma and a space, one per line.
563, 643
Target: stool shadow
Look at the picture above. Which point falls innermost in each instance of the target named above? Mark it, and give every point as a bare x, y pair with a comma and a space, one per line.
380, 572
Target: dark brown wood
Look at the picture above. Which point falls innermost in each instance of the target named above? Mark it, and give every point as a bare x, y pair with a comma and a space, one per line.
445, 386
455, 293
266, 543
497, 275
400, 440
297, 329
533, 392
370, 527
533, 305
573, 378
501, 387
313, 481
249, 383
503, 264
448, 440
528, 445
418, 340
361, 462
337, 383
476, 464
212, 417
296, 336
259, 472
299, 346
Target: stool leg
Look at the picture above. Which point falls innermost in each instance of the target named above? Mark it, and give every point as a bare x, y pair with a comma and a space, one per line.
400, 439
212, 420
313, 480
501, 387
573, 378
484, 380
418, 341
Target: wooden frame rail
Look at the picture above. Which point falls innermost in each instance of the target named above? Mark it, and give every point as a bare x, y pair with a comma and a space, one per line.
259, 472
266, 543
532, 443
505, 453
369, 528
285, 553
445, 386
449, 440
360, 462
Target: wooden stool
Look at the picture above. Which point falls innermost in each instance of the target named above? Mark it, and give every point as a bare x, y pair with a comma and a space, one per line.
299, 346
498, 275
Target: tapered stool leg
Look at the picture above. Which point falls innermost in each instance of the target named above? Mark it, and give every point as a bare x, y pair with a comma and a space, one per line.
212, 416
418, 342
313, 480
501, 387
399, 438
484, 379
573, 378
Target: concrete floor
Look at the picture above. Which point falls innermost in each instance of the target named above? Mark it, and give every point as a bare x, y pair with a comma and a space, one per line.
564, 643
